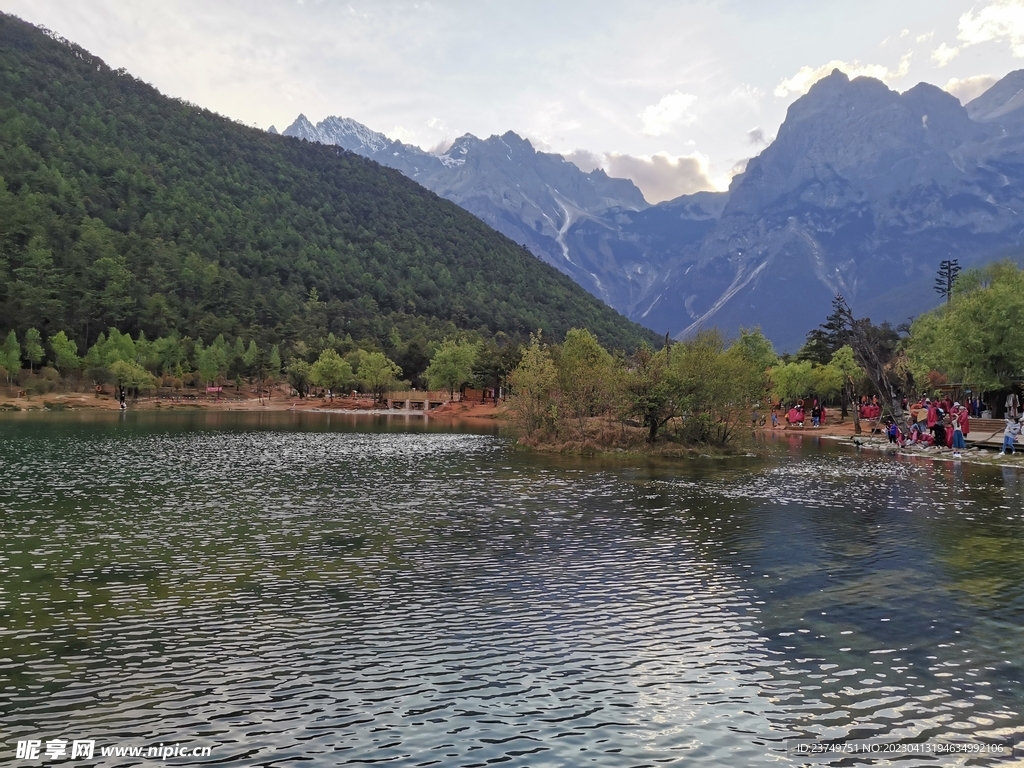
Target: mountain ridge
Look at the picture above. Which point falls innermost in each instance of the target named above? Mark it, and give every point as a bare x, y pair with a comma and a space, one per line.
863, 186
125, 208
531, 197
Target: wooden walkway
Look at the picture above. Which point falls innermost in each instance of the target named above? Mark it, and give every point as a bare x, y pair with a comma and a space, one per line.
986, 433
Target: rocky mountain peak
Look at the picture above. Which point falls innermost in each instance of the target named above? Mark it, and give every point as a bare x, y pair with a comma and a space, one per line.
341, 131
462, 145
352, 135
533, 197
1003, 100
302, 129
848, 138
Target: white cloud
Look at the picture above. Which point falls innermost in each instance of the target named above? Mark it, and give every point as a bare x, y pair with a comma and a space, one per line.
1002, 20
398, 133
756, 136
670, 112
944, 54
583, 159
925, 37
440, 147
969, 88
539, 143
661, 176
802, 81
738, 167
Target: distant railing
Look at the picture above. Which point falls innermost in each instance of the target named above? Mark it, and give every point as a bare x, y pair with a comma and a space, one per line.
420, 396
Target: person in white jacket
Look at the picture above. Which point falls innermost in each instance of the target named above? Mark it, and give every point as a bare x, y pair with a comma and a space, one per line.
1010, 436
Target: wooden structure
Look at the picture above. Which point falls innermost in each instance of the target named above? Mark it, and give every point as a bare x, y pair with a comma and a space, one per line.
986, 433
470, 395
417, 401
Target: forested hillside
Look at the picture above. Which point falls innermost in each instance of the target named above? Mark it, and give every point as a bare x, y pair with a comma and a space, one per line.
122, 208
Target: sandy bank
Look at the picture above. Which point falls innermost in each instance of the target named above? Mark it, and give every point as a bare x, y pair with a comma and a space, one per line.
232, 402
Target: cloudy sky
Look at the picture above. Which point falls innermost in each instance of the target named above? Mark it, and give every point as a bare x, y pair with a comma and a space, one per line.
673, 94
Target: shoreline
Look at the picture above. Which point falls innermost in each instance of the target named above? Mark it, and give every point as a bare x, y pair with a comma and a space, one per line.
843, 433
74, 401
839, 432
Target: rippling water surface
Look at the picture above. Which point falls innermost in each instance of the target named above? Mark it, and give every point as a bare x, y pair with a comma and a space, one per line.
288, 589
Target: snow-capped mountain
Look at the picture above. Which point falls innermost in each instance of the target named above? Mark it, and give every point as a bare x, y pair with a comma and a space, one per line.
533, 197
864, 191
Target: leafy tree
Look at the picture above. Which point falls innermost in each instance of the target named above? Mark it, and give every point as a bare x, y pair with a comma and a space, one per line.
33, 348
377, 372
793, 380
251, 358
757, 348
452, 365
331, 371
212, 361
412, 357
827, 381
534, 382
845, 363
651, 389
236, 362
111, 347
495, 360
10, 355
65, 352
299, 372
129, 375
586, 375
715, 387
274, 363
167, 354
978, 337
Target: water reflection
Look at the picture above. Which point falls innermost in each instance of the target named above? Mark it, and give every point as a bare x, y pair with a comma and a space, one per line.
286, 587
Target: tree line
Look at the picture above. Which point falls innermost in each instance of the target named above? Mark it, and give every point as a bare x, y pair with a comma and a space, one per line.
39, 364
977, 336
123, 208
974, 339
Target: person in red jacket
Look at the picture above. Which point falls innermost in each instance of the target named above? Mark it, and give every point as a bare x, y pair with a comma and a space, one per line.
965, 420
795, 417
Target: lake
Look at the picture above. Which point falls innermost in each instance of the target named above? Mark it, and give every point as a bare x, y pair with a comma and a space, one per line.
286, 588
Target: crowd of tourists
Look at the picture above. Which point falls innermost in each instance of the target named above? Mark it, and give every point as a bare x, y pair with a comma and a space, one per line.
934, 423
795, 416
927, 423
